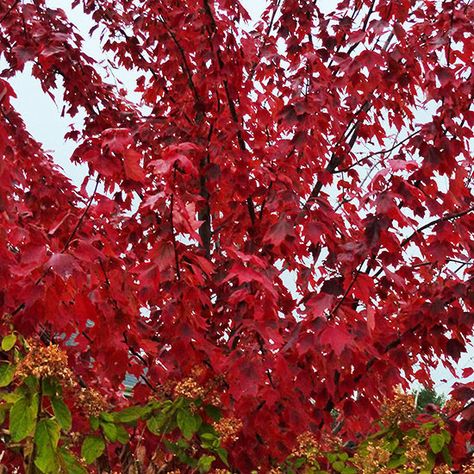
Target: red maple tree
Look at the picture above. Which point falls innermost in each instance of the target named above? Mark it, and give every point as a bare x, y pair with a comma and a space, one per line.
329, 153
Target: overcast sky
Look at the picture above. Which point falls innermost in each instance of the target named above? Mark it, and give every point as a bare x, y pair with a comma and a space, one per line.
43, 118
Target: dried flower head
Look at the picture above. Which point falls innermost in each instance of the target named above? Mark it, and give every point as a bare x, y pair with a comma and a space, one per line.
46, 361
416, 454
91, 402
198, 371
228, 428
468, 468
399, 410
308, 447
452, 406
372, 460
442, 469
189, 388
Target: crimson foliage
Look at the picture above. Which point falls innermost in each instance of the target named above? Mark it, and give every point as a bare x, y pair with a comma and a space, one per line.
326, 152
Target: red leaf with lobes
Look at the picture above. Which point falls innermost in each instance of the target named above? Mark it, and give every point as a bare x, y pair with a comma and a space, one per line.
131, 163
363, 286
337, 338
116, 139
279, 232
315, 231
455, 348
62, 264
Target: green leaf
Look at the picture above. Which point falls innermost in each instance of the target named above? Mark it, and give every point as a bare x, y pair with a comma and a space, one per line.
182, 443
92, 448
155, 423
428, 426
94, 421
62, 413
8, 342
70, 463
343, 456
349, 470
109, 417
110, 431
436, 442
23, 417
391, 445
46, 443
397, 462
12, 397
447, 436
209, 440
7, 372
299, 462
131, 414
188, 423
50, 387
205, 462
338, 466
447, 456
213, 412
122, 434
222, 453
430, 462
32, 383
3, 414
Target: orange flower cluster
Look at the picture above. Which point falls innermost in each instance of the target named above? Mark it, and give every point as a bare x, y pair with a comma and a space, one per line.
228, 428
399, 410
308, 447
91, 402
443, 469
189, 388
192, 387
417, 455
46, 361
373, 460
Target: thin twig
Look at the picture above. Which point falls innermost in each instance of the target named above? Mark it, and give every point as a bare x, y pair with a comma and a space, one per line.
381, 152
445, 218
465, 407
344, 296
81, 219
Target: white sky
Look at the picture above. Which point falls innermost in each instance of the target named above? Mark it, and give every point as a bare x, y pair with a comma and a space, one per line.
44, 121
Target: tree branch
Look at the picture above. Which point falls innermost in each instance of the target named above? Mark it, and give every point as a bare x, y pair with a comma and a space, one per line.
81, 219
381, 152
447, 217
232, 109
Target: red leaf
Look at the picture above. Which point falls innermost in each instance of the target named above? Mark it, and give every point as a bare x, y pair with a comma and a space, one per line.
279, 232
467, 372
370, 319
62, 264
116, 139
131, 163
337, 338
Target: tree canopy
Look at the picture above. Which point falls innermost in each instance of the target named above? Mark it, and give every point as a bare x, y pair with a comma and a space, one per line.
277, 224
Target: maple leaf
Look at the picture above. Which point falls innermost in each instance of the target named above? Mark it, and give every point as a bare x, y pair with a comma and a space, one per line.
131, 163
62, 264
116, 139
337, 338
279, 232
265, 214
